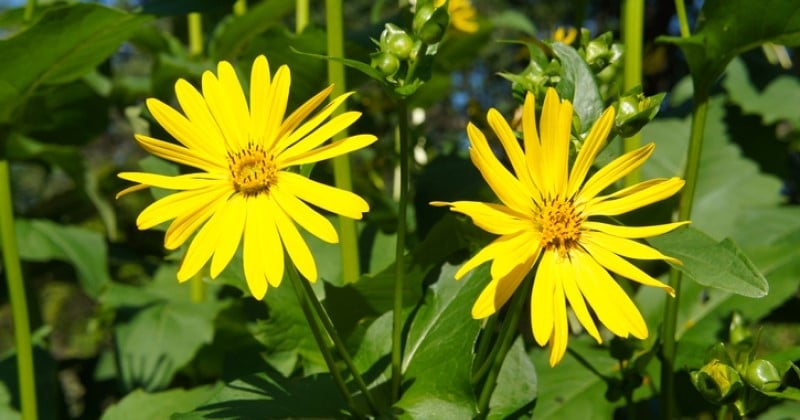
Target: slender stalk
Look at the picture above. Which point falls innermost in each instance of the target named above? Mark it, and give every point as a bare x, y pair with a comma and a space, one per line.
19, 304
341, 164
30, 8
240, 7
322, 341
504, 341
683, 21
400, 267
339, 344
301, 15
632, 35
481, 357
194, 22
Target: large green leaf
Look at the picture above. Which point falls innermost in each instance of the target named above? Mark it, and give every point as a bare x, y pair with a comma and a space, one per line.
69, 41
721, 265
159, 339
727, 28
769, 103
43, 240
144, 405
236, 32
579, 85
516, 385
438, 353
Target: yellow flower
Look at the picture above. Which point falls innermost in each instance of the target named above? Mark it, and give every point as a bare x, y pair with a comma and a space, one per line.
244, 191
566, 36
462, 14
547, 216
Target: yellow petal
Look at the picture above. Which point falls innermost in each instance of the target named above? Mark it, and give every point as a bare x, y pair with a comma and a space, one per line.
186, 224
235, 100
295, 244
569, 281
328, 151
508, 189
300, 114
259, 99
556, 124
262, 252
591, 147
320, 135
178, 182
233, 227
656, 191
614, 171
179, 154
289, 137
179, 204
232, 126
499, 290
196, 109
633, 231
613, 262
306, 217
203, 244
511, 146
542, 305
625, 247
533, 148
493, 218
610, 303
558, 346
131, 189
183, 130
520, 247
489, 252
278, 99
323, 196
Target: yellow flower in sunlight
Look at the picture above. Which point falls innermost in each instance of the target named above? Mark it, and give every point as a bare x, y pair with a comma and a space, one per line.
565, 36
462, 14
243, 191
547, 216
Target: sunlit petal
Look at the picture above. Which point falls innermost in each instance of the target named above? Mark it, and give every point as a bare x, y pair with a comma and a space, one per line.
614, 171
542, 298
178, 154
643, 197
625, 247
613, 262
633, 232
295, 244
323, 196
233, 215
305, 216
593, 144
329, 151
493, 218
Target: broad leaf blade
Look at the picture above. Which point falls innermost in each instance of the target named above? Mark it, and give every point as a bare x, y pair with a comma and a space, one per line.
236, 32
579, 85
144, 405
516, 385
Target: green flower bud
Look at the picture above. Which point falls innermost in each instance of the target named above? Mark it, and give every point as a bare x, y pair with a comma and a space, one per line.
430, 23
634, 110
737, 331
763, 376
718, 382
422, 16
396, 41
599, 52
387, 63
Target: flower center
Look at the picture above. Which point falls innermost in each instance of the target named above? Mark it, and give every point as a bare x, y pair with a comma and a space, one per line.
561, 225
252, 169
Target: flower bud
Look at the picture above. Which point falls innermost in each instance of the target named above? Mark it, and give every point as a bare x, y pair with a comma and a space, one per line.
634, 110
430, 23
717, 382
396, 41
737, 331
599, 52
387, 63
763, 376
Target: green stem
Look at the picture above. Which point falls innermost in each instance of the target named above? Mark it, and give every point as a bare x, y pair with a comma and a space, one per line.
30, 8
504, 340
195, 23
683, 21
322, 341
19, 304
669, 344
481, 357
632, 34
240, 7
301, 15
400, 267
341, 164
339, 344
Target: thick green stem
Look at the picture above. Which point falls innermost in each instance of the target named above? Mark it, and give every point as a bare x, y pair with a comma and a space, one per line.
400, 267
341, 164
481, 357
301, 15
504, 341
339, 344
19, 304
30, 8
669, 344
195, 28
683, 21
322, 342
632, 35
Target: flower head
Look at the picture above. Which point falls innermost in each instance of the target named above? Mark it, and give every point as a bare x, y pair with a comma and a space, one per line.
243, 190
462, 14
565, 35
546, 220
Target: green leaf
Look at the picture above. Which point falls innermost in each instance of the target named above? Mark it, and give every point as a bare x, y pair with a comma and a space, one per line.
579, 85
516, 385
159, 339
440, 339
143, 405
181, 7
514, 19
365, 68
43, 240
769, 103
235, 32
727, 28
721, 265
69, 41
